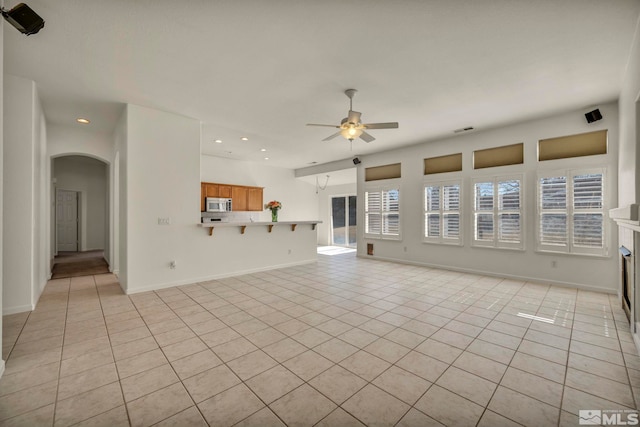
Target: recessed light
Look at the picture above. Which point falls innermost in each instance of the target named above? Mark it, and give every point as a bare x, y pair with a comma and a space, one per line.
83, 121
266, 158
263, 149
218, 141
244, 138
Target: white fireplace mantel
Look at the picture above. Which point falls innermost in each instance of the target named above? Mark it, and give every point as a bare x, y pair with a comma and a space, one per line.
626, 216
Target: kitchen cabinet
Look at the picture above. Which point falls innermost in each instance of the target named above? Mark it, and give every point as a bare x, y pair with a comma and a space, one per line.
239, 198
244, 198
254, 199
224, 191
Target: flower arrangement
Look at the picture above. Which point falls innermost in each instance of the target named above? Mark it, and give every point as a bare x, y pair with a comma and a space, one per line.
273, 206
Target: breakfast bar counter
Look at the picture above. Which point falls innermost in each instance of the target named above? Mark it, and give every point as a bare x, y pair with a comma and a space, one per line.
242, 226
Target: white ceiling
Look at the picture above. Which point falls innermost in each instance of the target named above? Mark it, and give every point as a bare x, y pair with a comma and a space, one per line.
263, 69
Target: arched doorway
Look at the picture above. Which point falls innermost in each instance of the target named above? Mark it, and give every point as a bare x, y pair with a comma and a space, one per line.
80, 216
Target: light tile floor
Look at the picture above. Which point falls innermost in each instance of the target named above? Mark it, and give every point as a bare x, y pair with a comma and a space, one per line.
342, 342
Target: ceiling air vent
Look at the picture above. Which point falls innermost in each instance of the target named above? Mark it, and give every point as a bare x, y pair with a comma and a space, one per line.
467, 129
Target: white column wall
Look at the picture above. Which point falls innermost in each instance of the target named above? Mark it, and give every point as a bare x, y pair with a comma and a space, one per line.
1, 179
629, 159
23, 277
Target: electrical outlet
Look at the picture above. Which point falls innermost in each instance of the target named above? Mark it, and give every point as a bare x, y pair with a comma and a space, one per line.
164, 221
405, 249
172, 265
554, 264
289, 251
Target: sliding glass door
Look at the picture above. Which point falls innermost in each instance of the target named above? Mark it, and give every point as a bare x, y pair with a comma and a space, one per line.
343, 221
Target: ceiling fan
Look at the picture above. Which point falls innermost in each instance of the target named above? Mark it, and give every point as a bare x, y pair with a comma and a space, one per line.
351, 128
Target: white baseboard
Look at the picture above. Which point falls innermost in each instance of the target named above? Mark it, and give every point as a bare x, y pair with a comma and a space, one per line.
17, 309
158, 286
491, 274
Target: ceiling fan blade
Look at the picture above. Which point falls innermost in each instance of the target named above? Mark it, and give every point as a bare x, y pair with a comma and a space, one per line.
327, 126
329, 138
389, 125
366, 137
354, 117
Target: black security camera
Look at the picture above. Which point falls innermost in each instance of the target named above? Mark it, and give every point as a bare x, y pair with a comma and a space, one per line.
24, 19
356, 161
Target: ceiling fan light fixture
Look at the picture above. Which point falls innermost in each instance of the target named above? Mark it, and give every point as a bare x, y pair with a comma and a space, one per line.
351, 132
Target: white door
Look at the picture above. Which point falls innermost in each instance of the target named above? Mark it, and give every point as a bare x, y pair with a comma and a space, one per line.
67, 220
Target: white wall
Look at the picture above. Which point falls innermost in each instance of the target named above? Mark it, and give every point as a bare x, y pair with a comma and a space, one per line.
324, 208
23, 272
629, 101
588, 272
89, 177
163, 180
298, 198
1, 177
79, 139
119, 196
159, 162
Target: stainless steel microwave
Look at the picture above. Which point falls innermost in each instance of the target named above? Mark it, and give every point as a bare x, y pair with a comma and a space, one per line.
216, 204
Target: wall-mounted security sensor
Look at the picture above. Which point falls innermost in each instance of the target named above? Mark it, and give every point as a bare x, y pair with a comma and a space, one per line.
356, 161
24, 19
593, 116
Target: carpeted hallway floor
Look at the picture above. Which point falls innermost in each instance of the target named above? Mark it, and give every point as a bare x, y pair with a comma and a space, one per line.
74, 264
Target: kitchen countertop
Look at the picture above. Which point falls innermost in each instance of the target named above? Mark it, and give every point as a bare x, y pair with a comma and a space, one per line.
249, 223
269, 224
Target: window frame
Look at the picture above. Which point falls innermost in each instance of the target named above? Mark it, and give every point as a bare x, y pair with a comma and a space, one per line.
441, 239
381, 188
570, 248
495, 242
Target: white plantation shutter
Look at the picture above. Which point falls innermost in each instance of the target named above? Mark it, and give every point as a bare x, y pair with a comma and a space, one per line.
483, 211
509, 227
391, 212
373, 212
432, 211
451, 212
442, 212
497, 213
382, 213
553, 210
588, 216
571, 212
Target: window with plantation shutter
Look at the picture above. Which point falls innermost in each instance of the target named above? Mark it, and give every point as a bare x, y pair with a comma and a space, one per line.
497, 212
571, 209
442, 213
382, 213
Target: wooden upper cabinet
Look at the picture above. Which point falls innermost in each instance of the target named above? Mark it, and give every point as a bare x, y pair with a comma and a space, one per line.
243, 198
238, 198
224, 191
212, 190
254, 199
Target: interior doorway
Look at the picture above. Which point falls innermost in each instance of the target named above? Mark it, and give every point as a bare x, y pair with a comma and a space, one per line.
343, 221
66, 220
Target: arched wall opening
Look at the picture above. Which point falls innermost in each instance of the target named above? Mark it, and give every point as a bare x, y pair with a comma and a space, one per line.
81, 191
